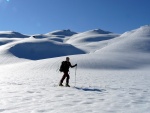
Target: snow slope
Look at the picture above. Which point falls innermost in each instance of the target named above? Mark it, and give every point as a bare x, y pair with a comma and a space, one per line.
134, 41
132, 47
92, 40
112, 74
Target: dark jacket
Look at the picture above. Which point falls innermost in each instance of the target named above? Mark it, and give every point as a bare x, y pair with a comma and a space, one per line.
67, 65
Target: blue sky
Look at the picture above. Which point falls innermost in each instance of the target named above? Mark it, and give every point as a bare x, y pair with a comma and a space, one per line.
42, 16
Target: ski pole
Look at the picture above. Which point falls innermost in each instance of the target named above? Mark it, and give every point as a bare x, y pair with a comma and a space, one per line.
75, 75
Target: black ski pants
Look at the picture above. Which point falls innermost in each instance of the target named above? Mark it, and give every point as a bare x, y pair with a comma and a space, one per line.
66, 75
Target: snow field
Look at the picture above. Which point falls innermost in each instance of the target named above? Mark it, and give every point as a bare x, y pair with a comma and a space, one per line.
112, 74
34, 90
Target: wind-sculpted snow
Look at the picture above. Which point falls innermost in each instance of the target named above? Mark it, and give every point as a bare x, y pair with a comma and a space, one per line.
42, 50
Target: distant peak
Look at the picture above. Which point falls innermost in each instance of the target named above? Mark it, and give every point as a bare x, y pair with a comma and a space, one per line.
6, 32
145, 26
12, 34
99, 31
67, 32
9, 32
141, 31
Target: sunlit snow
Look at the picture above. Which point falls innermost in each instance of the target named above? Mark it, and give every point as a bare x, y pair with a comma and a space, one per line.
112, 74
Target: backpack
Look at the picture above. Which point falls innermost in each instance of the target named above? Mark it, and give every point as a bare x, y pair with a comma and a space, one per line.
62, 66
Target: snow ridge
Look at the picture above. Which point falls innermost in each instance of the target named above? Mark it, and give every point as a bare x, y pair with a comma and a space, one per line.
102, 49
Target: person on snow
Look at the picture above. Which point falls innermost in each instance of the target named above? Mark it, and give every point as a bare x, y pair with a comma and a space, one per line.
65, 69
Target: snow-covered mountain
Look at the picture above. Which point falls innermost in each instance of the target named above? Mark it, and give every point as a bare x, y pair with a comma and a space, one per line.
107, 50
67, 32
133, 41
11, 34
112, 74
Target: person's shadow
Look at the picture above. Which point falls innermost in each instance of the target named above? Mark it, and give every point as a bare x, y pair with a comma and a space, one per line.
90, 89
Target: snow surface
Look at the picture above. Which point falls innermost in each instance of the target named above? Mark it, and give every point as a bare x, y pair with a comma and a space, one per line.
112, 74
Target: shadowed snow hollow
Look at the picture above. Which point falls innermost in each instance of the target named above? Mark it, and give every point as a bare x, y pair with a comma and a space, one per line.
42, 50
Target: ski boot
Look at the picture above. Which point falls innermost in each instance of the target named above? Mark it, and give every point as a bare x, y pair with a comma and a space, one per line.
67, 85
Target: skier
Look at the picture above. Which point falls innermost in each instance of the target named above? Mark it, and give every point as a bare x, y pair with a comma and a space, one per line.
65, 69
